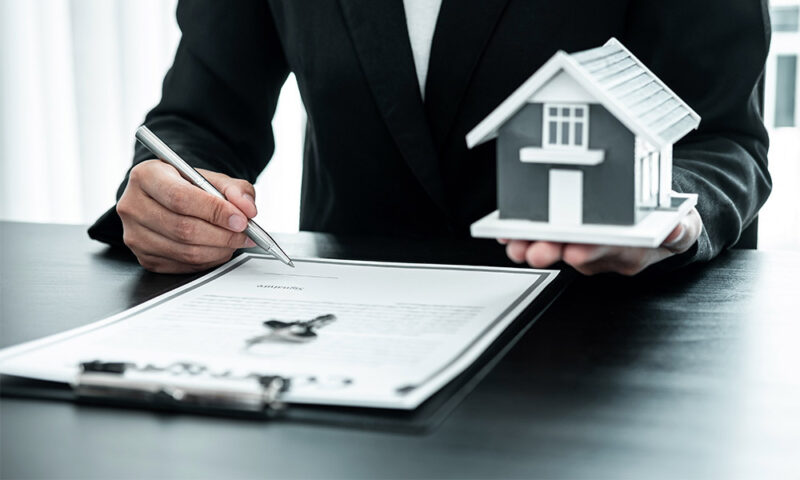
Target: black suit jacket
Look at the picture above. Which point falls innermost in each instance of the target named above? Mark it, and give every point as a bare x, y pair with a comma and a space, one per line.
379, 160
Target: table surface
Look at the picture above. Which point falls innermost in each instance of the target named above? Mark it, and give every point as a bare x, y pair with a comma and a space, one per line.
693, 374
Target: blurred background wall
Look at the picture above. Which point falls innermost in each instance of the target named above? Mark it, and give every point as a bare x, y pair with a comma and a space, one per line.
76, 79
779, 225
78, 76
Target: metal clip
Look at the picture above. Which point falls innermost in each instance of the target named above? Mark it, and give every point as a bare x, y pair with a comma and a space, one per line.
179, 385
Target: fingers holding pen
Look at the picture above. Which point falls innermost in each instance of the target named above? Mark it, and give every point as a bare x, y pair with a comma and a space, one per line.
189, 230
174, 227
189, 207
239, 192
165, 185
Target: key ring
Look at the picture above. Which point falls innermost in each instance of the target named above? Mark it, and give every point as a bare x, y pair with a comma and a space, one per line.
298, 331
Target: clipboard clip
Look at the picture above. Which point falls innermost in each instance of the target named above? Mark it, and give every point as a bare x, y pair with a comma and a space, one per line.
180, 386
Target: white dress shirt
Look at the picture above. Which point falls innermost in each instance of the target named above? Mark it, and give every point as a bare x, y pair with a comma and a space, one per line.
421, 18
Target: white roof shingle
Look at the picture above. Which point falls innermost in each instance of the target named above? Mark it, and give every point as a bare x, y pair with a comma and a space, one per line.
619, 81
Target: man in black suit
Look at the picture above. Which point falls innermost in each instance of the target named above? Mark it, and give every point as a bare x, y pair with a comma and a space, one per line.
381, 160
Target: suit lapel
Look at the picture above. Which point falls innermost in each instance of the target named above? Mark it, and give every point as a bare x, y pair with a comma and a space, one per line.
380, 36
463, 29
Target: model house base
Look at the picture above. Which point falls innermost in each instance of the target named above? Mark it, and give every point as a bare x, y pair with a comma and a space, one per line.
649, 232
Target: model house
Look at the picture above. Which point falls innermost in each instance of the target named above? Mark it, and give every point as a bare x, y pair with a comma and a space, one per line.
587, 140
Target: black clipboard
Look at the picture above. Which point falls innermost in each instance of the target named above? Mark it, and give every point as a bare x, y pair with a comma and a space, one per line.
424, 418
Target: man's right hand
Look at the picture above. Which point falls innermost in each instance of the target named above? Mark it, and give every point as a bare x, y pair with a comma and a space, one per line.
173, 226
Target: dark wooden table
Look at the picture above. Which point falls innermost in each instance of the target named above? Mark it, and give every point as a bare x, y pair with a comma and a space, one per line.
691, 375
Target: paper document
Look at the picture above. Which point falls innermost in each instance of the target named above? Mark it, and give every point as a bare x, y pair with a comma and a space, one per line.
396, 333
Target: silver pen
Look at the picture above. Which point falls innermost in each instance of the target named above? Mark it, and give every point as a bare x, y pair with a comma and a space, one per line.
162, 151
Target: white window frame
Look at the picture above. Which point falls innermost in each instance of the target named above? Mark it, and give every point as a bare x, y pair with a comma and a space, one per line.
572, 119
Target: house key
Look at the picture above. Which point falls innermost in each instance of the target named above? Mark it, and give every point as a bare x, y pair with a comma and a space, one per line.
299, 331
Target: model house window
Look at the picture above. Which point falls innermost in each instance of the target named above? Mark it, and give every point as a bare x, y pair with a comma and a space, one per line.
565, 126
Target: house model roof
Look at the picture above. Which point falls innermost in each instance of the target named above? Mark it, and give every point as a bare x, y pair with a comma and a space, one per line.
619, 81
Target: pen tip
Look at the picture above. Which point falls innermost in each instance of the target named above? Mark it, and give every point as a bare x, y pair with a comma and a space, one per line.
291, 264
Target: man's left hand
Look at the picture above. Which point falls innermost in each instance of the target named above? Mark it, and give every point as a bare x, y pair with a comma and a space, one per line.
593, 259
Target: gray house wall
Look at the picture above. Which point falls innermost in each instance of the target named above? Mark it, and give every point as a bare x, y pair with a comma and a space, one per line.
608, 189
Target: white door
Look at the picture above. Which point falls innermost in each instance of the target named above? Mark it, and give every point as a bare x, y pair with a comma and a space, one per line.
566, 197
